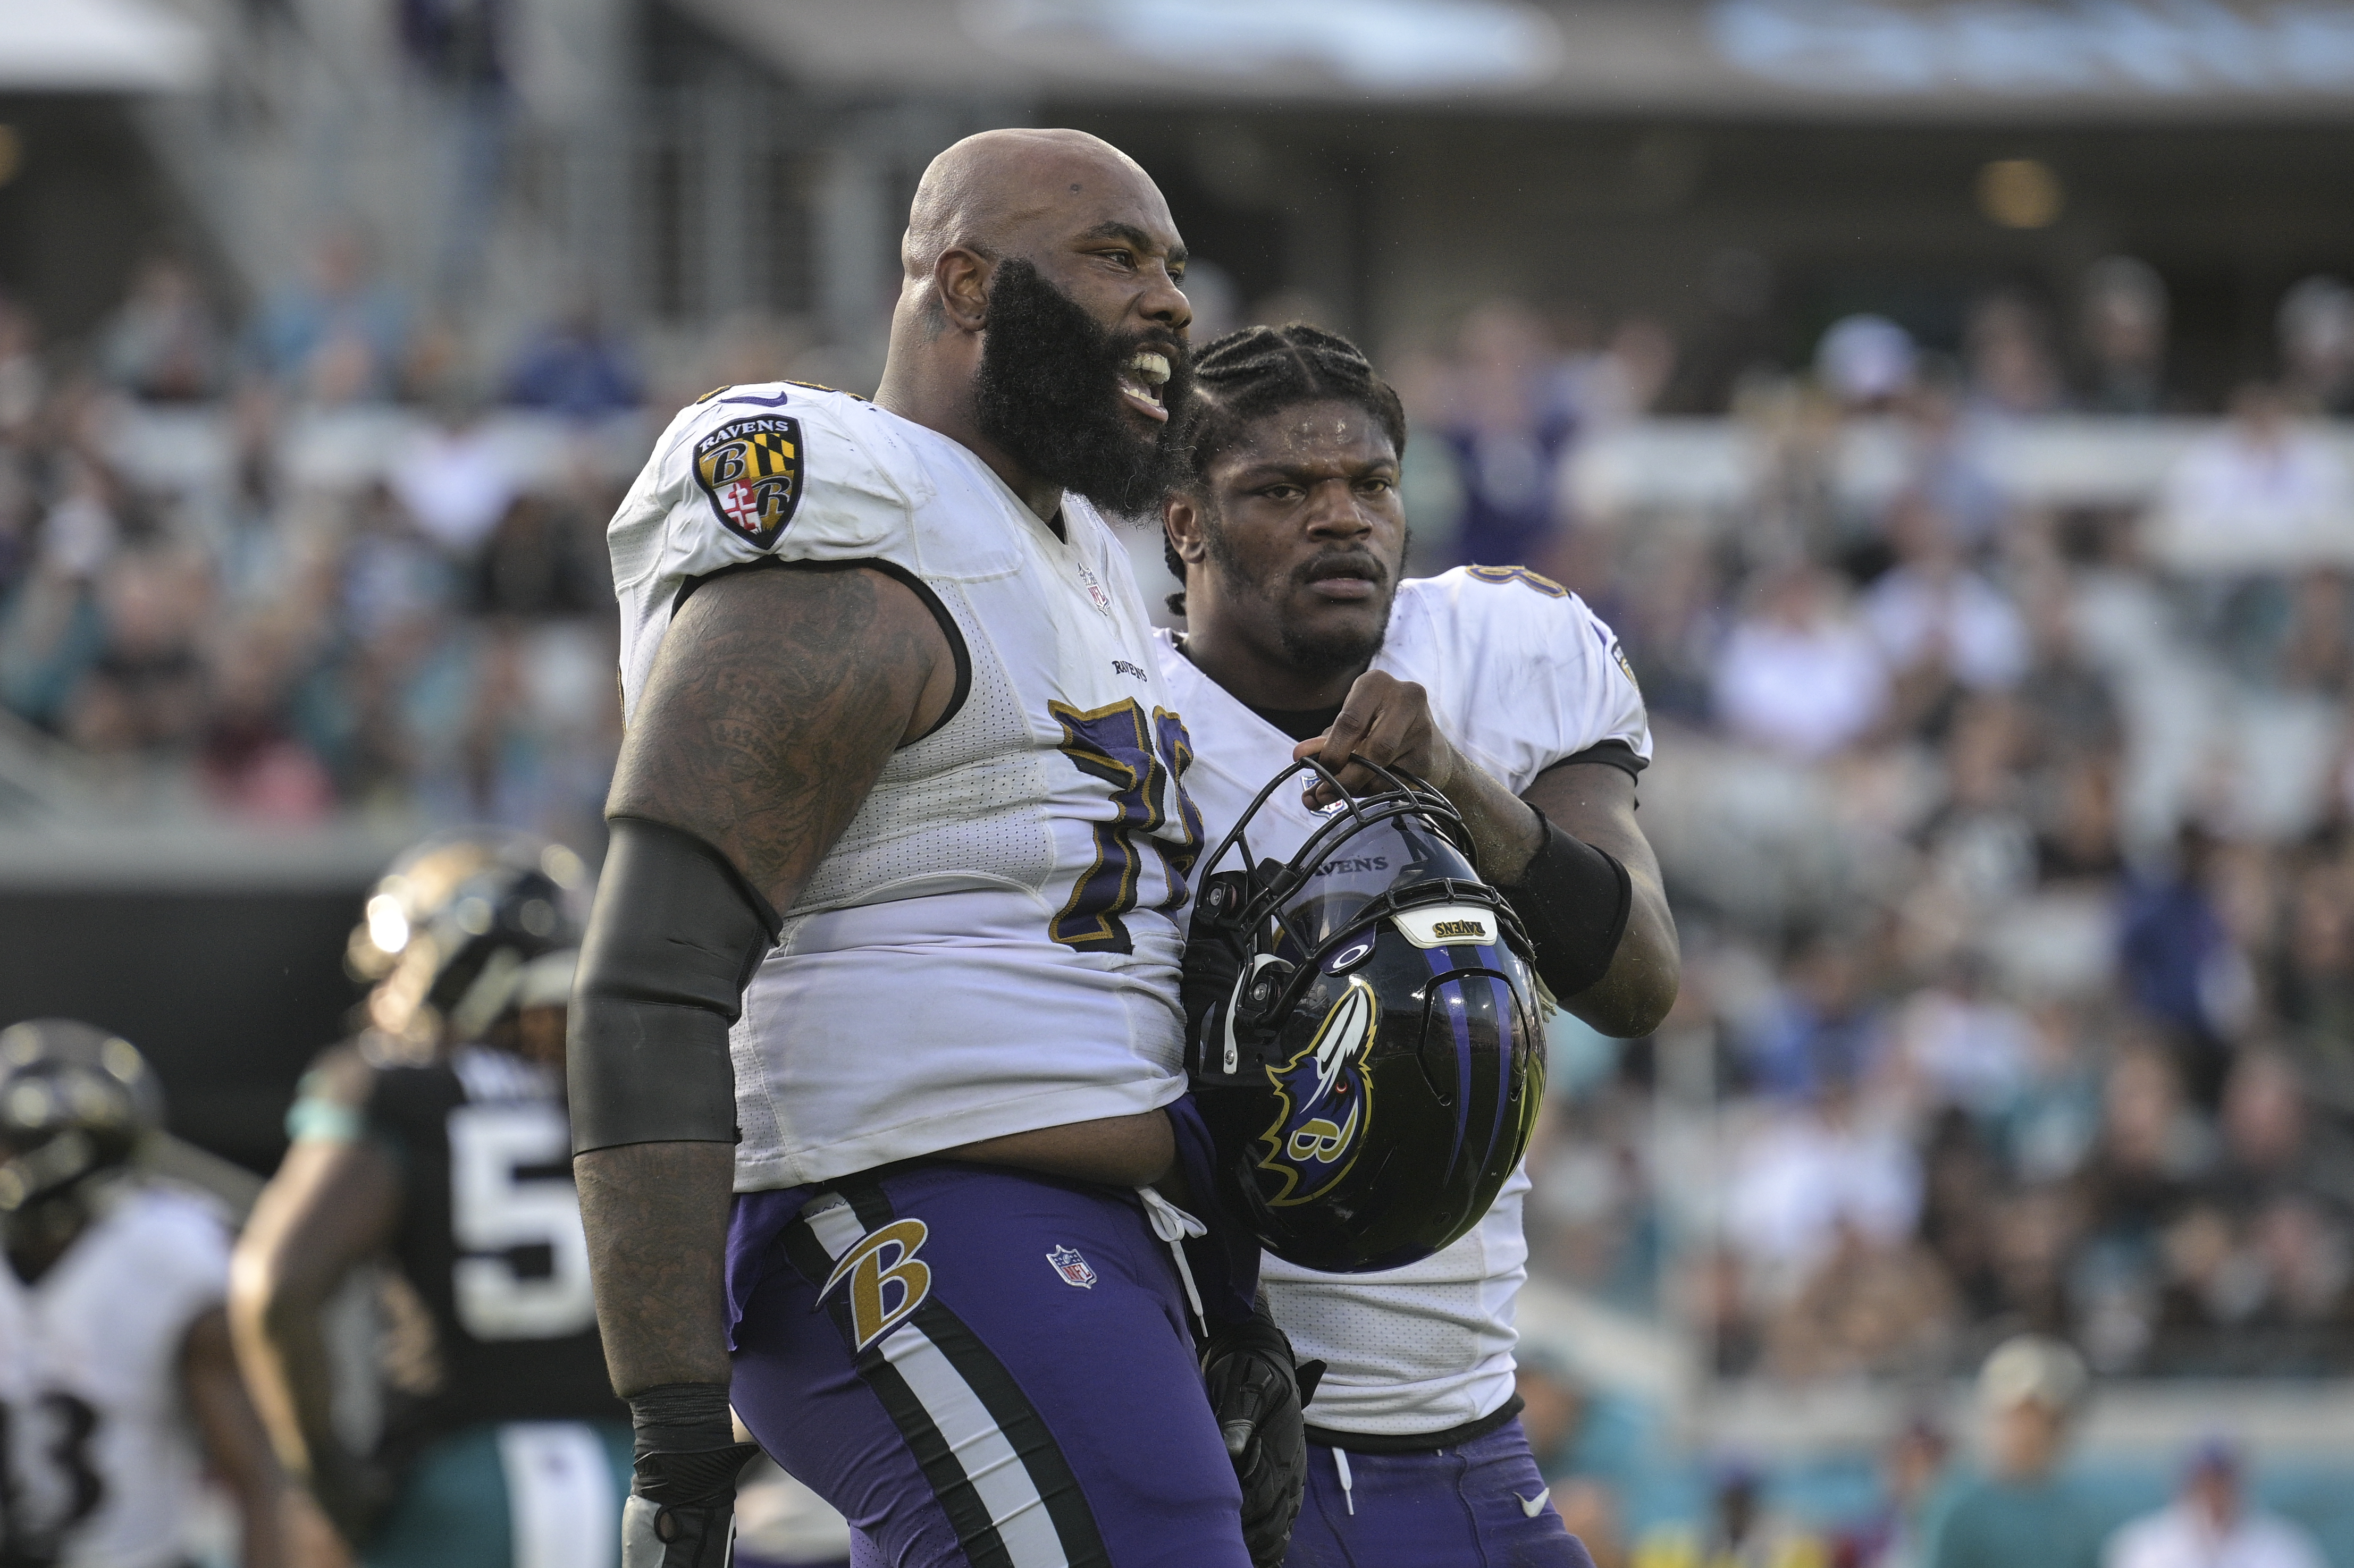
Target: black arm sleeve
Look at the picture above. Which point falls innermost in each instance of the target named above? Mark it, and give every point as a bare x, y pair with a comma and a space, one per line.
673, 939
1574, 900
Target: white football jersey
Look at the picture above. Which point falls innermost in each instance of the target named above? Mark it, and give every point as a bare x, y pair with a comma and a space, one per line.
102, 1452
1522, 675
992, 944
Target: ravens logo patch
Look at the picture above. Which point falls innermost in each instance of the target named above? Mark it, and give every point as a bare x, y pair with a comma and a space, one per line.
1625, 668
751, 470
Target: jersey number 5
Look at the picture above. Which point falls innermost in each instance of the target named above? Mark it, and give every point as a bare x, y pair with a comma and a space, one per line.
522, 1266
1144, 761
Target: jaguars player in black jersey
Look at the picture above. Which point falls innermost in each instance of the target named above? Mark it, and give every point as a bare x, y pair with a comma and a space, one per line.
437, 1140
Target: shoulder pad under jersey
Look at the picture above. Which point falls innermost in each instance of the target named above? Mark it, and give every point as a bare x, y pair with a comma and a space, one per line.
772, 469
1523, 670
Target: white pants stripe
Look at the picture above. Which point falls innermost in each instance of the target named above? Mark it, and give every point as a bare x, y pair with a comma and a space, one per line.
981, 1451
559, 1496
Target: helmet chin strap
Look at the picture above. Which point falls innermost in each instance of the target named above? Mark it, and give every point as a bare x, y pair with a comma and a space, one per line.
1253, 1003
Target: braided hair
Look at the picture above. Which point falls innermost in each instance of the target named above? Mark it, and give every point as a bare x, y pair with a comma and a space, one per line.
1260, 370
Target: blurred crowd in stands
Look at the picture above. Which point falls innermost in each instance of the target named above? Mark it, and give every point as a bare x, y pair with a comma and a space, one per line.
2015, 871
427, 629
1999, 1489
2014, 856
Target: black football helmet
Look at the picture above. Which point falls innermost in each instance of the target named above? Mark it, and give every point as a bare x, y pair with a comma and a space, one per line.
450, 930
75, 1102
1363, 1028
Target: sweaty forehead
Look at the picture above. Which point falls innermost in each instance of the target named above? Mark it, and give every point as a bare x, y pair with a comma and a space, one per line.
1328, 432
1076, 191
1016, 191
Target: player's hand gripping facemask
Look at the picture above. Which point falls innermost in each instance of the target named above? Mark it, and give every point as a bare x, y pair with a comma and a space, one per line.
1362, 1031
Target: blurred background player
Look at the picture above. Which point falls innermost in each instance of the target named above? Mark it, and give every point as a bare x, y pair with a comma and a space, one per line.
118, 1383
1501, 689
438, 1138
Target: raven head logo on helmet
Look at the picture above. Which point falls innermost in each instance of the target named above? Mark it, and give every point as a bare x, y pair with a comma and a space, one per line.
1325, 1100
1363, 1031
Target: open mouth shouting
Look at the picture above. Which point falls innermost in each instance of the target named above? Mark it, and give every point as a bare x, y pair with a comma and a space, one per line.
1140, 381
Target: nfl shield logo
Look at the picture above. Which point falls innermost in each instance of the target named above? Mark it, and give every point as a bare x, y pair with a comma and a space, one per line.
1072, 1268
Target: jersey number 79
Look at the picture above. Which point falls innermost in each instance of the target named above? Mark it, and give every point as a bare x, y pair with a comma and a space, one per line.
1144, 761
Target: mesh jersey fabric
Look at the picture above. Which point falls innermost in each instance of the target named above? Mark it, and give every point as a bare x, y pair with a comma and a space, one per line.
992, 945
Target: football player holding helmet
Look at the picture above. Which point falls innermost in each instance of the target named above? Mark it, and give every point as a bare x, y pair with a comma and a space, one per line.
1498, 689
1372, 1075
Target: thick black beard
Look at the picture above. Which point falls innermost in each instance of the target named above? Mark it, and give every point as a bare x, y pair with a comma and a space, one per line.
1311, 653
1048, 395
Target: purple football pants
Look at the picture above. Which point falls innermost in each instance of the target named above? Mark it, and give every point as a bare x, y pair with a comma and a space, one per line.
1466, 1506
980, 1368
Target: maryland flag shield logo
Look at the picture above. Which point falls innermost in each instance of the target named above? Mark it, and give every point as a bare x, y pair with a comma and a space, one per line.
751, 470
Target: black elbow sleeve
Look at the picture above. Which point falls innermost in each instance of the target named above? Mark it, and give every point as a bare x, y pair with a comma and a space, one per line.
673, 939
1572, 900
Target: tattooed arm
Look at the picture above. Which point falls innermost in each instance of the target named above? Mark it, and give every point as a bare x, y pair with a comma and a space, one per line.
776, 700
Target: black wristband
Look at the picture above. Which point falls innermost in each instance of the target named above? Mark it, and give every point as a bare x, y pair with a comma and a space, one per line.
686, 1454
682, 1417
1572, 900
673, 941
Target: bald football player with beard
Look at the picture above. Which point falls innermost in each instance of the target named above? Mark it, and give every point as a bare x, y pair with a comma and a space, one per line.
876, 1050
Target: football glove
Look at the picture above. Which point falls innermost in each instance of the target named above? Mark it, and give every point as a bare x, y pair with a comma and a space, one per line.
682, 1508
1256, 1394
